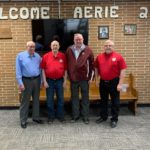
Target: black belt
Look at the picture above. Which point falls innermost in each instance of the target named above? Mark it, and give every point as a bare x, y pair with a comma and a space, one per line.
31, 78
109, 81
54, 79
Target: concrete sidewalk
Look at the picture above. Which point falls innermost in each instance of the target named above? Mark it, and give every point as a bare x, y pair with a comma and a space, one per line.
132, 133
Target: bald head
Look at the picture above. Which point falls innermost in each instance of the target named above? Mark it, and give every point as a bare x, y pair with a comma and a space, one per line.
55, 46
108, 46
109, 42
31, 47
30, 43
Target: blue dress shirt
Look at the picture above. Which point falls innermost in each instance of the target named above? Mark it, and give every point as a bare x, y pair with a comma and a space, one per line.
26, 65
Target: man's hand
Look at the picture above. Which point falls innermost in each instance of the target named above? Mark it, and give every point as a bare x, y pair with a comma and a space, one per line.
97, 83
46, 84
65, 84
119, 87
21, 87
90, 81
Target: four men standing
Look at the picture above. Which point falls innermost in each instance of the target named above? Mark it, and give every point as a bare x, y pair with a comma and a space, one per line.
79, 62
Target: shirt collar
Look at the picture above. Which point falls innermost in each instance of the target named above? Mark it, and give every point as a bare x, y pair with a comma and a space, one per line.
81, 48
54, 55
30, 55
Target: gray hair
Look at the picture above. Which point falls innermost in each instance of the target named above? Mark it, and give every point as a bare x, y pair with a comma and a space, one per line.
78, 34
30, 43
109, 41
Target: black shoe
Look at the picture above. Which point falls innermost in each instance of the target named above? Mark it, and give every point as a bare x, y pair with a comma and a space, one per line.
24, 125
62, 120
50, 120
38, 121
100, 120
73, 120
86, 120
113, 124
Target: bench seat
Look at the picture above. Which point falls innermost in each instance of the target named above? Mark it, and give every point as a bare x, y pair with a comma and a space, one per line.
130, 94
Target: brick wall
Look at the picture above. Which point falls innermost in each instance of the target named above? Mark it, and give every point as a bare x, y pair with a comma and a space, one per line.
135, 48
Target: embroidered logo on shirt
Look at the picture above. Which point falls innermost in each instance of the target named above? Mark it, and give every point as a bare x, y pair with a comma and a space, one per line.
114, 59
60, 60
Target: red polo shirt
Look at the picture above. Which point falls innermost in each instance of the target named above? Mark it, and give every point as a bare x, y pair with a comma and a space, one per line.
54, 66
109, 65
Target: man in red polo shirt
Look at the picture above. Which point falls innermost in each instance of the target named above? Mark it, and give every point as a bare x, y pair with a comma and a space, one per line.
54, 78
110, 66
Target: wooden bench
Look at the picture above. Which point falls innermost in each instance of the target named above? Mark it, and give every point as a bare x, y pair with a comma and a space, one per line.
130, 95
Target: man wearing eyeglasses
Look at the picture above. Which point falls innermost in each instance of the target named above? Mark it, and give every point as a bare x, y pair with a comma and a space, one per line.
28, 78
110, 67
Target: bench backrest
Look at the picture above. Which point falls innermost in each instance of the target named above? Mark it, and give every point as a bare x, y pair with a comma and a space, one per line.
128, 92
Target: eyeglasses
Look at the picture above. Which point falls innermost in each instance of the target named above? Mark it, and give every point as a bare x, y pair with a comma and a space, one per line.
31, 46
108, 45
78, 39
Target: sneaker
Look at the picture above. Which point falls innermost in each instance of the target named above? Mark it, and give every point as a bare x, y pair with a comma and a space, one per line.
23, 125
86, 120
62, 120
73, 120
38, 121
113, 124
50, 120
100, 120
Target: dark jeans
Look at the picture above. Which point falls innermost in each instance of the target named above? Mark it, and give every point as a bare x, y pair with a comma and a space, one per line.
32, 88
107, 88
84, 87
55, 86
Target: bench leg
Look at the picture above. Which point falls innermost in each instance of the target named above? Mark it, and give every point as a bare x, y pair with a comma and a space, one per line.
133, 107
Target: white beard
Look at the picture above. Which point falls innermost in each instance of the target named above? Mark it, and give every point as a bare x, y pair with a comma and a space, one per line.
108, 51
